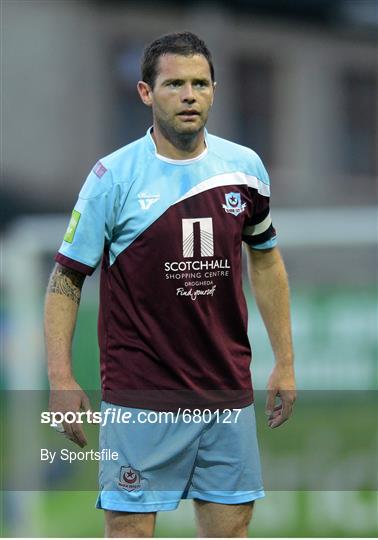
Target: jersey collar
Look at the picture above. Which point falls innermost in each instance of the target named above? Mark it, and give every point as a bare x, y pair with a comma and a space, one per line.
152, 145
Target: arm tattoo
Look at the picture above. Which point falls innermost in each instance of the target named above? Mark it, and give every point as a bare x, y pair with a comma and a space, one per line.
66, 282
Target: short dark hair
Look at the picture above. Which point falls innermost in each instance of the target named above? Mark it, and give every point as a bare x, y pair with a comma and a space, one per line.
184, 43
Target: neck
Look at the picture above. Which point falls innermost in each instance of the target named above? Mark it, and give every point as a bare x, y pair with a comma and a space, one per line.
178, 146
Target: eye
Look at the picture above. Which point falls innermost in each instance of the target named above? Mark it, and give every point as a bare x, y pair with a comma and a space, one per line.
200, 84
174, 84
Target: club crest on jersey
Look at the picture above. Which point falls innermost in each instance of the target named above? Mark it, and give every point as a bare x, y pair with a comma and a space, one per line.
233, 204
146, 200
129, 478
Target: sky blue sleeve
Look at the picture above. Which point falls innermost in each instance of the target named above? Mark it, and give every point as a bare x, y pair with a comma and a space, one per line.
91, 224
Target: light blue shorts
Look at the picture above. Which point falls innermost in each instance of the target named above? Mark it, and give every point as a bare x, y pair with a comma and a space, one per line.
213, 456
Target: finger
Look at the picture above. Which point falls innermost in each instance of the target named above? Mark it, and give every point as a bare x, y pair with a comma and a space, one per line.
277, 421
286, 409
75, 438
68, 430
288, 400
79, 436
281, 416
270, 399
85, 403
75, 434
276, 412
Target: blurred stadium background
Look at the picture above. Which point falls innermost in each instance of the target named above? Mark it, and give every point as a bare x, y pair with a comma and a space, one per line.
297, 82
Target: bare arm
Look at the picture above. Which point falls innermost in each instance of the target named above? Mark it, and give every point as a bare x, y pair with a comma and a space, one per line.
270, 285
62, 303
61, 307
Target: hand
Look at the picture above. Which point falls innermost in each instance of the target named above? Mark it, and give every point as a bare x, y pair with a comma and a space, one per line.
281, 384
68, 396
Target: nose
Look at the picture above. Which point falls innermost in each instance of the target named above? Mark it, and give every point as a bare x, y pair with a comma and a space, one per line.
187, 95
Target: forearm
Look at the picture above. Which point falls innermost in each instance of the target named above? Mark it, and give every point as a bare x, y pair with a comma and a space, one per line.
61, 307
271, 289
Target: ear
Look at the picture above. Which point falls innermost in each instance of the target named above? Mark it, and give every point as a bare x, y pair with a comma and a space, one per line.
145, 93
212, 99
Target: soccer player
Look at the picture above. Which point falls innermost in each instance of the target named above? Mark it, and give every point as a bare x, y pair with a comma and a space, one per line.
167, 214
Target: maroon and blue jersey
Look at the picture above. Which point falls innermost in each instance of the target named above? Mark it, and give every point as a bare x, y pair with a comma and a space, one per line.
173, 317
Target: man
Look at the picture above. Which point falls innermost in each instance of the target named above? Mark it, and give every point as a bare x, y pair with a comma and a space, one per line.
168, 214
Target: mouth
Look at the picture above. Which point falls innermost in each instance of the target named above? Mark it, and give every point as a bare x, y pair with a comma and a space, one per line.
188, 114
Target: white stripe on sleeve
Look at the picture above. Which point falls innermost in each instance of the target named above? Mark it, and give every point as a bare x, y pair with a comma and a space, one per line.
254, 230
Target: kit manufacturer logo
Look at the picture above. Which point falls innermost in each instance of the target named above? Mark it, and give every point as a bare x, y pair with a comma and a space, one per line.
146, 200
197, 237
234, 203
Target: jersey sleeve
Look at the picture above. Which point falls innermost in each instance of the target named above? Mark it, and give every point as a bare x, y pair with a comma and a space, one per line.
259, 232
91, 224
